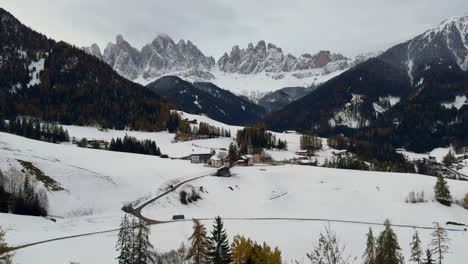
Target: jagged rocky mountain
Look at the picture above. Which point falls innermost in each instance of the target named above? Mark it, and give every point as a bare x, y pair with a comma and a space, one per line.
155, 59
417, 88
58, 82
269, 58
252, 72
209, 99
278, 99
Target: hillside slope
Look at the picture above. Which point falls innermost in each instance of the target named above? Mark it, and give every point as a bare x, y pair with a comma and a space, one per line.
98, 183
415, 91
209, 99
58, 82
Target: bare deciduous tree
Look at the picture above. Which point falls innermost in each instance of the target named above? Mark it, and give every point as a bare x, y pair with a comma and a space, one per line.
329, 250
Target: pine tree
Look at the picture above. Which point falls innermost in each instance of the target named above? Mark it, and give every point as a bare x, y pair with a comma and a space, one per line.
416, 251
428, 259
439, 242
142, 247
5, 258
369, 253
198, 252
388, 249
125, 240
219, 250
441, 190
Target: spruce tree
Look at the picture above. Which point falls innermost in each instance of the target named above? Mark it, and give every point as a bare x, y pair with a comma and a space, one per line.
416, 251
369, 253
388, 249
219, 250
439, 242
233, 152
142, 249
125, 240
428, 259
198, 251
441, 190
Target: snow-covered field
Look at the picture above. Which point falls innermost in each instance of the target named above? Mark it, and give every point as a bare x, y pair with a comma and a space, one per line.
97, 183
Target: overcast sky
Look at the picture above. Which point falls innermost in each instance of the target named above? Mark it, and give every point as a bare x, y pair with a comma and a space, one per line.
298, 26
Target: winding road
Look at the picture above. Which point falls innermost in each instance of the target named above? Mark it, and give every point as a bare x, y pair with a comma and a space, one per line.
137, 213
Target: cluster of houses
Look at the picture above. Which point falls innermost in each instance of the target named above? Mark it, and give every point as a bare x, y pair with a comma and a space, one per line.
219, 158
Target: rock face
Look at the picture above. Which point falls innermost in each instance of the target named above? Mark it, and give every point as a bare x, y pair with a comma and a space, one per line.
93, 50
250, 72
269, 58
155, 59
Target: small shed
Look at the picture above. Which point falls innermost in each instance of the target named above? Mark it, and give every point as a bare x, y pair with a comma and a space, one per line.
200, 157
223, 172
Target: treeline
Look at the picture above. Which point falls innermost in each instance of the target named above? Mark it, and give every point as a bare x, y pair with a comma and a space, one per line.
133, 145
258, 137
19, 195
310, 142
347, 161
382, 157
134, 246
176, 124
35, 129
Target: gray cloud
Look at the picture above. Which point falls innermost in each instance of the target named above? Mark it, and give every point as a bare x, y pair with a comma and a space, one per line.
298, 26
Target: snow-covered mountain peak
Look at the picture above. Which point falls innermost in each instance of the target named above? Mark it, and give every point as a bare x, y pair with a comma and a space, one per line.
251, 71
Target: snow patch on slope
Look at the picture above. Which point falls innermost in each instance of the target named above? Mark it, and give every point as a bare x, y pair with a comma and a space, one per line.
35, 68
349, 115
458, 103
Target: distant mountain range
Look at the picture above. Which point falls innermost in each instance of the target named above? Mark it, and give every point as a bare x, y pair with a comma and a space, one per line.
413, 95
252, 72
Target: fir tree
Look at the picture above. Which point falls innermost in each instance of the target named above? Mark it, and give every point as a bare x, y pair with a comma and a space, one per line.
428, 259
125, 240
198, 252
233, 153
441, 190
219, 250
369, 253
142, 247
416, 251
388, 249
439, 242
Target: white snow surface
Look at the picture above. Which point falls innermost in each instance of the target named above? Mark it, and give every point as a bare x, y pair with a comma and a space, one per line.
98, 183
35, 68
458, 103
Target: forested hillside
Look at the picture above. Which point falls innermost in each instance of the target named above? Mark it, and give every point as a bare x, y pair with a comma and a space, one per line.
58, 82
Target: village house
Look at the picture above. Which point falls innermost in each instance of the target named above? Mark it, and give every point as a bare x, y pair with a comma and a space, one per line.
258, 154
219, 160
201, 157
303, 152
246, 160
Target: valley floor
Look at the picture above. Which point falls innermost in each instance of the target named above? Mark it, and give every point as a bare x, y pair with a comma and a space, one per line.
98, 183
